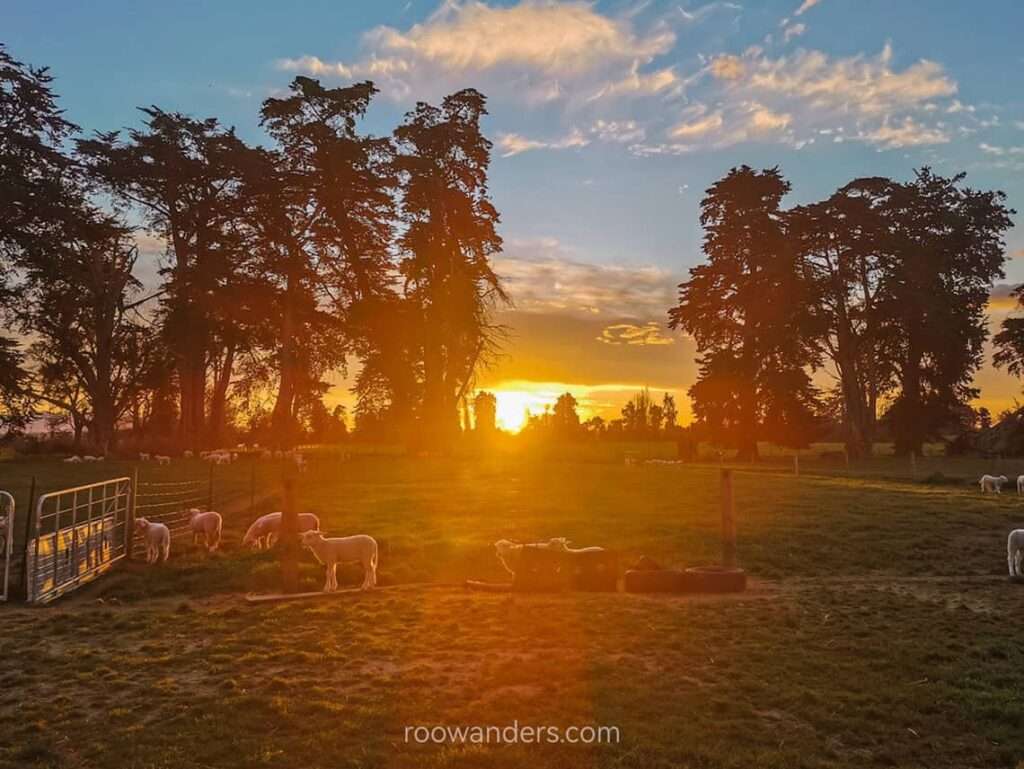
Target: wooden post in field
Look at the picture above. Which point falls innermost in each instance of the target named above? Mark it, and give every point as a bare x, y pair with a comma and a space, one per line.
796, 465
846, 457
728, 522
29, 523
289, 539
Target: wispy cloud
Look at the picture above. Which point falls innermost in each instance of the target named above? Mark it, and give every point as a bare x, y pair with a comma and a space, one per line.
633, 334
513, 144
543, 275
805, 6
535, 50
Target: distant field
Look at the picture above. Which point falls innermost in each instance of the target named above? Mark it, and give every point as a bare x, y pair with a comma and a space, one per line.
881, 630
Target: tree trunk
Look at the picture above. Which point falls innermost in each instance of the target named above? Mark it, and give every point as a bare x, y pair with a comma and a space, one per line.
282, 421
219, 398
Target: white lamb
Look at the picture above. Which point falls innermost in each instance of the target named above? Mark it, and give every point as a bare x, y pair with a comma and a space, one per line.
162, 459
264, 530
73, 460
1015, 552
331, 552
157, 538
1020, 484
207, 525
992, 483
144, 457
187, 454
509, 552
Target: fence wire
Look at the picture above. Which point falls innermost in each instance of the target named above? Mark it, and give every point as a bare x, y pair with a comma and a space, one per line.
169, 502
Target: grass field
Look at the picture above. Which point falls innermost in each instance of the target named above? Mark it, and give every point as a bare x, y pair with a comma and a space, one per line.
880, 629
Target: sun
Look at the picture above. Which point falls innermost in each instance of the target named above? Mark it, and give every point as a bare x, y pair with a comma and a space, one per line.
513, 407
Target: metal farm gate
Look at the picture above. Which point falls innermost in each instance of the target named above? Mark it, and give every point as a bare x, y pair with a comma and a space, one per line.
78, 534
6, 542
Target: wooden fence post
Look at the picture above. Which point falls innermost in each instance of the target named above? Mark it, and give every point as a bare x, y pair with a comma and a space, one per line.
796, 465
289, 540
728, 522
29, 523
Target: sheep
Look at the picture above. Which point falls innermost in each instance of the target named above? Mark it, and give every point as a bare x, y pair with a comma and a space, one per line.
207, 525
263, 531
1015, 552
73, 459
144, 457
187, 454
300, 462
509, 552
1020, 484
162, 459
331, 552
266, 454
157, 538
90, 458
992, 483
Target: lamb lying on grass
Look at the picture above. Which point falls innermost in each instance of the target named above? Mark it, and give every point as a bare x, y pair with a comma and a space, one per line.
1015, 552
510, 552
157, 538
331, 552
265, 529
207, 525
993, 483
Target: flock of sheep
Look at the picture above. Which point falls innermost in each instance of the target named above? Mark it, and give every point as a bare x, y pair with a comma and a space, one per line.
264, 531
217, 456
1015, 541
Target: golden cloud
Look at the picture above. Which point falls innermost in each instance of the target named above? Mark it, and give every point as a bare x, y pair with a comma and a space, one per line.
630, 333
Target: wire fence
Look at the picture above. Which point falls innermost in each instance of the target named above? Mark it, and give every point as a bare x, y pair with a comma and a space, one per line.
169, 502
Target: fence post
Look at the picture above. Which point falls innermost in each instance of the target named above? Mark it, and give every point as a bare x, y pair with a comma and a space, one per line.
289, 540
796, 465
29, 513
728, 522
129, 534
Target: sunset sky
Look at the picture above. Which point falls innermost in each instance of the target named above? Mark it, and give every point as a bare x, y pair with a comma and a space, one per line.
609, 120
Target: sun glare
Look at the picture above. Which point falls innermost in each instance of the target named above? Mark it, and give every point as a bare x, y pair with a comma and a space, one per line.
513, 406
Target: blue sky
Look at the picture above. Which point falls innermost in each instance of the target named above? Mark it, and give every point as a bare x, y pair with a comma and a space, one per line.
609, 120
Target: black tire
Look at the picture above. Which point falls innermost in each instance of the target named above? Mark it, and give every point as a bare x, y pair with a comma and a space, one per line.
654, 581
715, 579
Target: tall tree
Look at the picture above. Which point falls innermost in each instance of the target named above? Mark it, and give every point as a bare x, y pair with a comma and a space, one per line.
32, 191
943, 250
746, 308
184, 174
76, 307
323, 211
841, 241
448, 240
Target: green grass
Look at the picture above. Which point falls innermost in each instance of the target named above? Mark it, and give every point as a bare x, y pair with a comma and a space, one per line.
880, 630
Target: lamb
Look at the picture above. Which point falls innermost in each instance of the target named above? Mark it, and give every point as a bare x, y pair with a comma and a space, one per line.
157, 538
208, 525
331, 552
992, 483
187, 454
300, 462
264, 530
1015, 552
509, 552
144, 457
1020, 484
90, 458
161, 459
73, 459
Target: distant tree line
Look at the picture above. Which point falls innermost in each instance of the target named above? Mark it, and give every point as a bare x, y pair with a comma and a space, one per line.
281, 264
884, 285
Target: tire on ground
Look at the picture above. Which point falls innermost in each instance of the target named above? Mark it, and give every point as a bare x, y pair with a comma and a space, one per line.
654, 581
715, 579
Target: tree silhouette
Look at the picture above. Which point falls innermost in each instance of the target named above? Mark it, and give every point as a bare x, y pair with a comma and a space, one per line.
448, 239
942, 252
747, 309
485, 412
